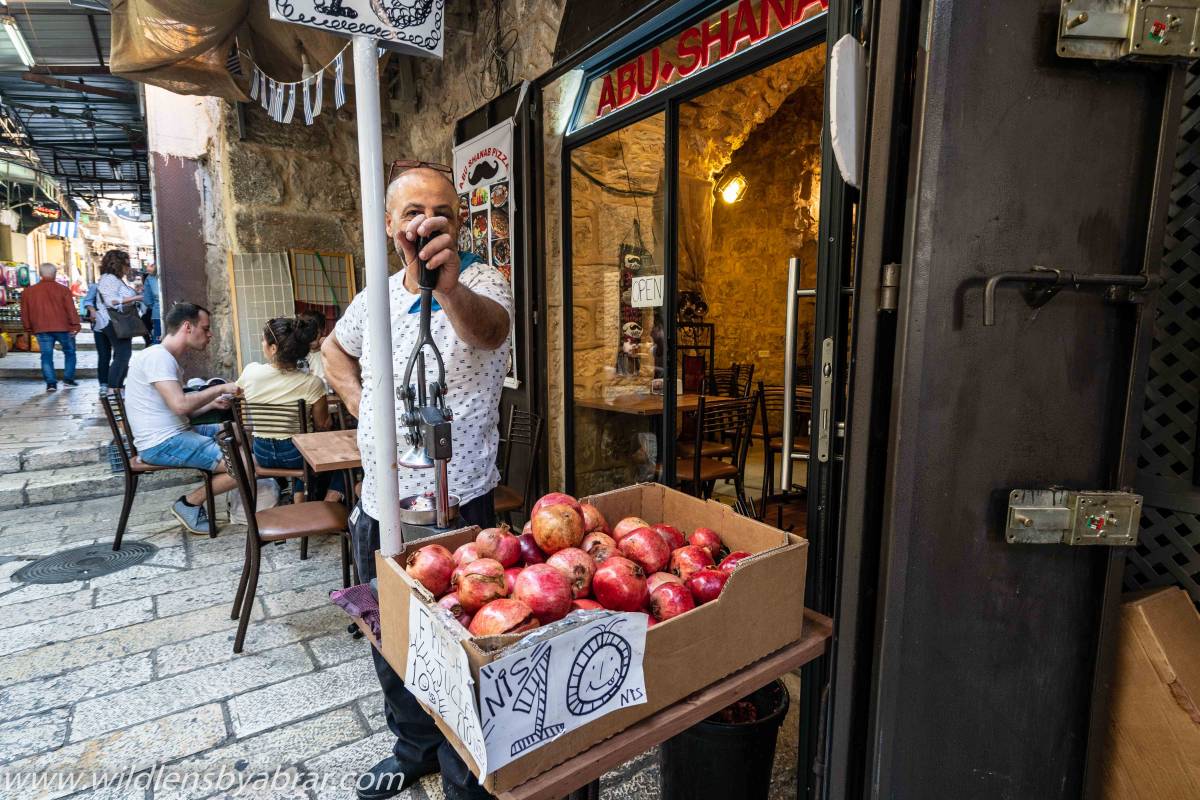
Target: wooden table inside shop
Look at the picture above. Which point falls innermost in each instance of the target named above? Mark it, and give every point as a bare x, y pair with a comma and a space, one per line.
326, 451
587, 766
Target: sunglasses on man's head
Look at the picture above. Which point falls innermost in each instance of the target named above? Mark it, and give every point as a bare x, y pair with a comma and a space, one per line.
403, 165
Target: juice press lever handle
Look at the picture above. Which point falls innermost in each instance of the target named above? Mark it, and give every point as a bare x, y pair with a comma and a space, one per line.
426, 277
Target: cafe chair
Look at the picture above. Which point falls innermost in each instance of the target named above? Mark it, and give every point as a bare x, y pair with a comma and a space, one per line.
269, 418
134, 468
293, 521
736, 380
771, 401
524, 430
699, 473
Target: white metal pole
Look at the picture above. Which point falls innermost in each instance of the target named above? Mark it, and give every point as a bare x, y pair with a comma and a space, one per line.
379, 317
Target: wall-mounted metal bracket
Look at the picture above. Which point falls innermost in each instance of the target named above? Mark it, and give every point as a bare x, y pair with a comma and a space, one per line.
1063, 516
1043, 283
1144, 30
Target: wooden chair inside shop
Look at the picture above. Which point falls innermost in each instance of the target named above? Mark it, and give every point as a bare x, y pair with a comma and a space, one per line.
292, 521
524, 430
714, 420
771, 400
134, 468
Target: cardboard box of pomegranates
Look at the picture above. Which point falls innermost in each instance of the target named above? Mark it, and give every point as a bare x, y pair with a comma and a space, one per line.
663, 596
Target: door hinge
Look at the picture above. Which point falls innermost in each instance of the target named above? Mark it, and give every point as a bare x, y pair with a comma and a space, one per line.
889, 287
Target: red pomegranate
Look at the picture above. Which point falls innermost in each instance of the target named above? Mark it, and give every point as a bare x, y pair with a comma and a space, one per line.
480, 583
593, 520
670, 600
706, 584
647, 549
471, 551
620, 585
659, 578
578, 566
687, 560
670, 534
503, 616
554, 499
585, 604
510, 578
556, 527
708, 539
545, 590
530, 552
451, 603
502, 545
597, 539
729, 562
431, 566
628, 526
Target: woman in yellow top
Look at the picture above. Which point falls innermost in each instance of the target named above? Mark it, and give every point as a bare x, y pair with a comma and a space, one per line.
279, 382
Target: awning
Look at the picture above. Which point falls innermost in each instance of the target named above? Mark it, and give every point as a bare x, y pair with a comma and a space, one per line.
188, 47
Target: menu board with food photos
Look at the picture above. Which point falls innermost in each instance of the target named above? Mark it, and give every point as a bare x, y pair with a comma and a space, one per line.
482, 174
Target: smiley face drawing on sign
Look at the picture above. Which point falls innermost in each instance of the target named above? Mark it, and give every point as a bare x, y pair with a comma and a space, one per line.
598, 672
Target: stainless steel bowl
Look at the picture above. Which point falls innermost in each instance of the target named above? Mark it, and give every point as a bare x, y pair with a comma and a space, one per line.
424, 516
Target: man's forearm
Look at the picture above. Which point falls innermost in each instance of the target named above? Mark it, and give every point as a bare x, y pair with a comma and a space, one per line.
479, 321
197, 403
342, 373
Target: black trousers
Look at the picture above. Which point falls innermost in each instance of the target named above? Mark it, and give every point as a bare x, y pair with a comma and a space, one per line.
418, 740
121, 350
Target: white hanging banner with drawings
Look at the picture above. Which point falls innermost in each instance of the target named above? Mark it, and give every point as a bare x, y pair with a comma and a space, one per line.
414, 27
548, 689
438, 674
483, 172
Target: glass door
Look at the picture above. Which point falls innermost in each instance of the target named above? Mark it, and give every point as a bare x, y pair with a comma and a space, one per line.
746, 212
618, 343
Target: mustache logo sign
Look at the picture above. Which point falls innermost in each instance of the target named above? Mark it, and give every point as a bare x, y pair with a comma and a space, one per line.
484, 171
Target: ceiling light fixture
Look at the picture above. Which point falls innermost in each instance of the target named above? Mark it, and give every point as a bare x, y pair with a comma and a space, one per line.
732, 187
18, 41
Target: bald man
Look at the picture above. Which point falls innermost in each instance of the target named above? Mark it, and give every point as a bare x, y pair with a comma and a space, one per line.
48, 311
470, 324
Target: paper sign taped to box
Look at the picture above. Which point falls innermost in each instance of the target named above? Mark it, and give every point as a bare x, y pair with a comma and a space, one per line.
438, 674
544, 691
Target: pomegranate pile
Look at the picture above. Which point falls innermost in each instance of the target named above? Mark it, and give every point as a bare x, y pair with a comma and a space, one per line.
568, 558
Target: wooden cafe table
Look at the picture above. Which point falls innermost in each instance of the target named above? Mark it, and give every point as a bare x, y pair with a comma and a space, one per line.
583, 770
327, 451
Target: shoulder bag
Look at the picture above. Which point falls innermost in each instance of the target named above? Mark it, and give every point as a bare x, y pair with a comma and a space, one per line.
125, 322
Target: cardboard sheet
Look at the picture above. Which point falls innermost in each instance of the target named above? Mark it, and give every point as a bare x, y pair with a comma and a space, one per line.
538, 693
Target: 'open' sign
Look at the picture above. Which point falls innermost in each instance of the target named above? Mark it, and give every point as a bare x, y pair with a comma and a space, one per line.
647, 291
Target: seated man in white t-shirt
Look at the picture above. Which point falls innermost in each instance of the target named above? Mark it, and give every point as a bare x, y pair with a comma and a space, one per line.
160, 411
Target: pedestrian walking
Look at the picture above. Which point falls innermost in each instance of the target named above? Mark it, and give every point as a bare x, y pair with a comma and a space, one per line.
48, 311
114, 295
152, 303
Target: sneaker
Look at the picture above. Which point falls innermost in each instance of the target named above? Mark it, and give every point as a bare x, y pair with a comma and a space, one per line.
50, 387
390, 777
71, 383
193, 518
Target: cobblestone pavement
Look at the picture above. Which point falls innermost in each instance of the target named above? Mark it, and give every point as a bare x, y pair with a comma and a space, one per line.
135, 670
36, 425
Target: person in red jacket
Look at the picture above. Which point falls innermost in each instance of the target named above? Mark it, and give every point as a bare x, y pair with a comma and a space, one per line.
48, 310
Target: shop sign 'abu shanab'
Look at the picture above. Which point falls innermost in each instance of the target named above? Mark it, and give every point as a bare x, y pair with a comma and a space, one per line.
732, 30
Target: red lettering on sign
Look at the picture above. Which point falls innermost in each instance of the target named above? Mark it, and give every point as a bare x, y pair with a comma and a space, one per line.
608, 98
803, 7
626, 83
707, 39
773, 8
688, 51
744, 29
726, 39
643, 87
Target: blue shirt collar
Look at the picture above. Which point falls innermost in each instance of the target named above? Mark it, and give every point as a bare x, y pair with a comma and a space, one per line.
465, 262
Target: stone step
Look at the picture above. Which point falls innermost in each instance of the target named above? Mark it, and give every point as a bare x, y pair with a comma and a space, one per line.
28, 366
43, 487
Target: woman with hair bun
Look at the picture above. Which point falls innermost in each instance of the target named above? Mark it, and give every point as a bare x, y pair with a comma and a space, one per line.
279, 382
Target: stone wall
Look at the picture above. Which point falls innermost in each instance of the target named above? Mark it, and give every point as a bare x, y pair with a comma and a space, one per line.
745, 282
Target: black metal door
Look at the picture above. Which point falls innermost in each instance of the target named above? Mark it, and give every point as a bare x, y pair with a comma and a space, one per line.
986, 653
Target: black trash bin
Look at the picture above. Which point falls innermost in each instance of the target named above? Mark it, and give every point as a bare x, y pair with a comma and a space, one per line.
722, 761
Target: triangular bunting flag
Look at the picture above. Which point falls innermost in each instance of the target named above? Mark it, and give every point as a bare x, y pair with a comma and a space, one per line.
339, 84
291, 104
308, 115
254, 83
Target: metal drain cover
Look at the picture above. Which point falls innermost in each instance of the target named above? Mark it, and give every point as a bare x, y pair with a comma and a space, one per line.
84, 563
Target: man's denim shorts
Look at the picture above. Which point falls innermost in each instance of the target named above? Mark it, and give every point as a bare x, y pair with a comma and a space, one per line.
195, 448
